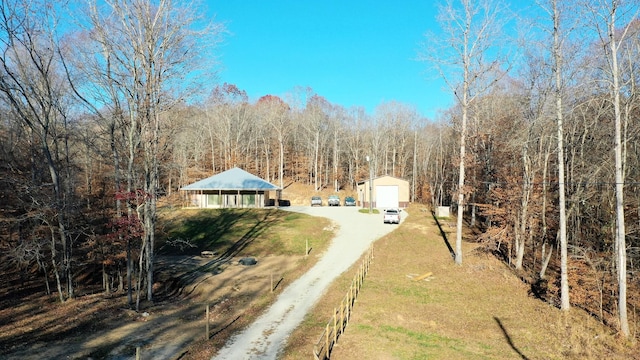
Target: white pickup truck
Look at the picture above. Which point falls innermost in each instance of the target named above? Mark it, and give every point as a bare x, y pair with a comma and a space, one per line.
391, 216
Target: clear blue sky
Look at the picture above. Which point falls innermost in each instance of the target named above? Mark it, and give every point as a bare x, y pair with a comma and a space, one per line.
352, 52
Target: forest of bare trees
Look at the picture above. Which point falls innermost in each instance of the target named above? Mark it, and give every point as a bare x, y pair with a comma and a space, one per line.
114, 109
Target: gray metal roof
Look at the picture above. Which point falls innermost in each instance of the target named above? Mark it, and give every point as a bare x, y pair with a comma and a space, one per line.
233, 179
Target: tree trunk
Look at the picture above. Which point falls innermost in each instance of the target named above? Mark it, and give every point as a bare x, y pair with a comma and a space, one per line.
562, 230
524, 208
281, 165
54, 266
463, 134
621, 247
316, 171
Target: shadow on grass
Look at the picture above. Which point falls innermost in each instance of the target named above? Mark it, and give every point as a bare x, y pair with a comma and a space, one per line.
204, 230
508, 338
225, 232
444, 235
223, 328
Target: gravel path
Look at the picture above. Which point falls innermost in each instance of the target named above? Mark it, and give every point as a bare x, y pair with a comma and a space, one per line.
265, 338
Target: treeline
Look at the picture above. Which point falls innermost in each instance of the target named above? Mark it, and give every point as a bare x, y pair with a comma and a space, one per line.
98, 125
304, 139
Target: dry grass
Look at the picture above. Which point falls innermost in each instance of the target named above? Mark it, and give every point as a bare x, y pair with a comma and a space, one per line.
98, 326
479, 310
300, 194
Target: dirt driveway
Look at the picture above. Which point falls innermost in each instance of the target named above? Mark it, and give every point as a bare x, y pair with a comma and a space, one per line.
265, 338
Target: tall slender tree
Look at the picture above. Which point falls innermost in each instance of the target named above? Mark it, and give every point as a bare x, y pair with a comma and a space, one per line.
557, 67
469, 60
277, 113
606, 17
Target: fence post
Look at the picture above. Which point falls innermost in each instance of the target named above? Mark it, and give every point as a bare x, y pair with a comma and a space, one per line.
342, 317
335, 320
368, 260
355, 288
352, 292
206, 335
348, 308
326, 345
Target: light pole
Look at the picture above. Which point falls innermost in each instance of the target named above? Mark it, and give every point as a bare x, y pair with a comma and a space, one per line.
370, 186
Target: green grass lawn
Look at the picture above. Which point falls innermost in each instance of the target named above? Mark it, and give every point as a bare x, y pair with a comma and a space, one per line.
366, 211
240, 232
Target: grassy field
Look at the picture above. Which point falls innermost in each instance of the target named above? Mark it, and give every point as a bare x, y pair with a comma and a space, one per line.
240, 232
479, 310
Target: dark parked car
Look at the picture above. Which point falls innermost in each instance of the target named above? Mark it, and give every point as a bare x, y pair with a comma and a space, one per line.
316, 201
349, 201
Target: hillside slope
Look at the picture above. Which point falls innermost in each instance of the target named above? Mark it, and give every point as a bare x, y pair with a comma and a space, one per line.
479, 310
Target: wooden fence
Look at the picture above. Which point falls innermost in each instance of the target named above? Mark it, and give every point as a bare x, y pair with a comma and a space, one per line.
340, 318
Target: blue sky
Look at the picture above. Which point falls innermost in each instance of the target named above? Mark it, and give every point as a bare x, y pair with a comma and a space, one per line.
352, 52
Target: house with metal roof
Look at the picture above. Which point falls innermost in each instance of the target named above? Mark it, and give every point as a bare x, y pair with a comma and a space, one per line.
234, 188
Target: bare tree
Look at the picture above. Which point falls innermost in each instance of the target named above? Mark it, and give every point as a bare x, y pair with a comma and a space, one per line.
557, 68
277, 113
145, 50
337, 130
606, 16
316, 126
562, 232
355, 121
397, 120
230, 112
472, 31
33, 85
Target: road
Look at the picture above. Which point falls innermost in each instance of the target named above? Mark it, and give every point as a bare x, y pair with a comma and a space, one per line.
266, 337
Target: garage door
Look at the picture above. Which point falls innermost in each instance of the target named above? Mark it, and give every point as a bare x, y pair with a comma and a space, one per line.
387, 196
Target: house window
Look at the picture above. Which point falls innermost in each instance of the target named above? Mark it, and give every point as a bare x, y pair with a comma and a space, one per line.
213, 200
248, 200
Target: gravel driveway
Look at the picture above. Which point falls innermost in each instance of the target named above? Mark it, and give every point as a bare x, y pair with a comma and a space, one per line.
265, 338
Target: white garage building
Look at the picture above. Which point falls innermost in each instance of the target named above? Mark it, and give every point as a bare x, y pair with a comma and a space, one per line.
386, 192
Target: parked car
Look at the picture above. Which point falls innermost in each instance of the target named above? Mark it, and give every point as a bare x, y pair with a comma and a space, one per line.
391, 216
349, 201
316, 201
333, 200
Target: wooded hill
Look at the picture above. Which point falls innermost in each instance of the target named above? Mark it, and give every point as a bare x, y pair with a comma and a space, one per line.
103, 120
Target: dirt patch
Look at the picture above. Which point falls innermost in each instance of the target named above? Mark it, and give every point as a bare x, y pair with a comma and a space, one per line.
101, 326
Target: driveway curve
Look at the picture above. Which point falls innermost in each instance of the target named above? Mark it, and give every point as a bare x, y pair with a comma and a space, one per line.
265, 338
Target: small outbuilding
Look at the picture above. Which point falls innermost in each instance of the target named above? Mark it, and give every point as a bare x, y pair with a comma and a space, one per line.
386, 192
234, 188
